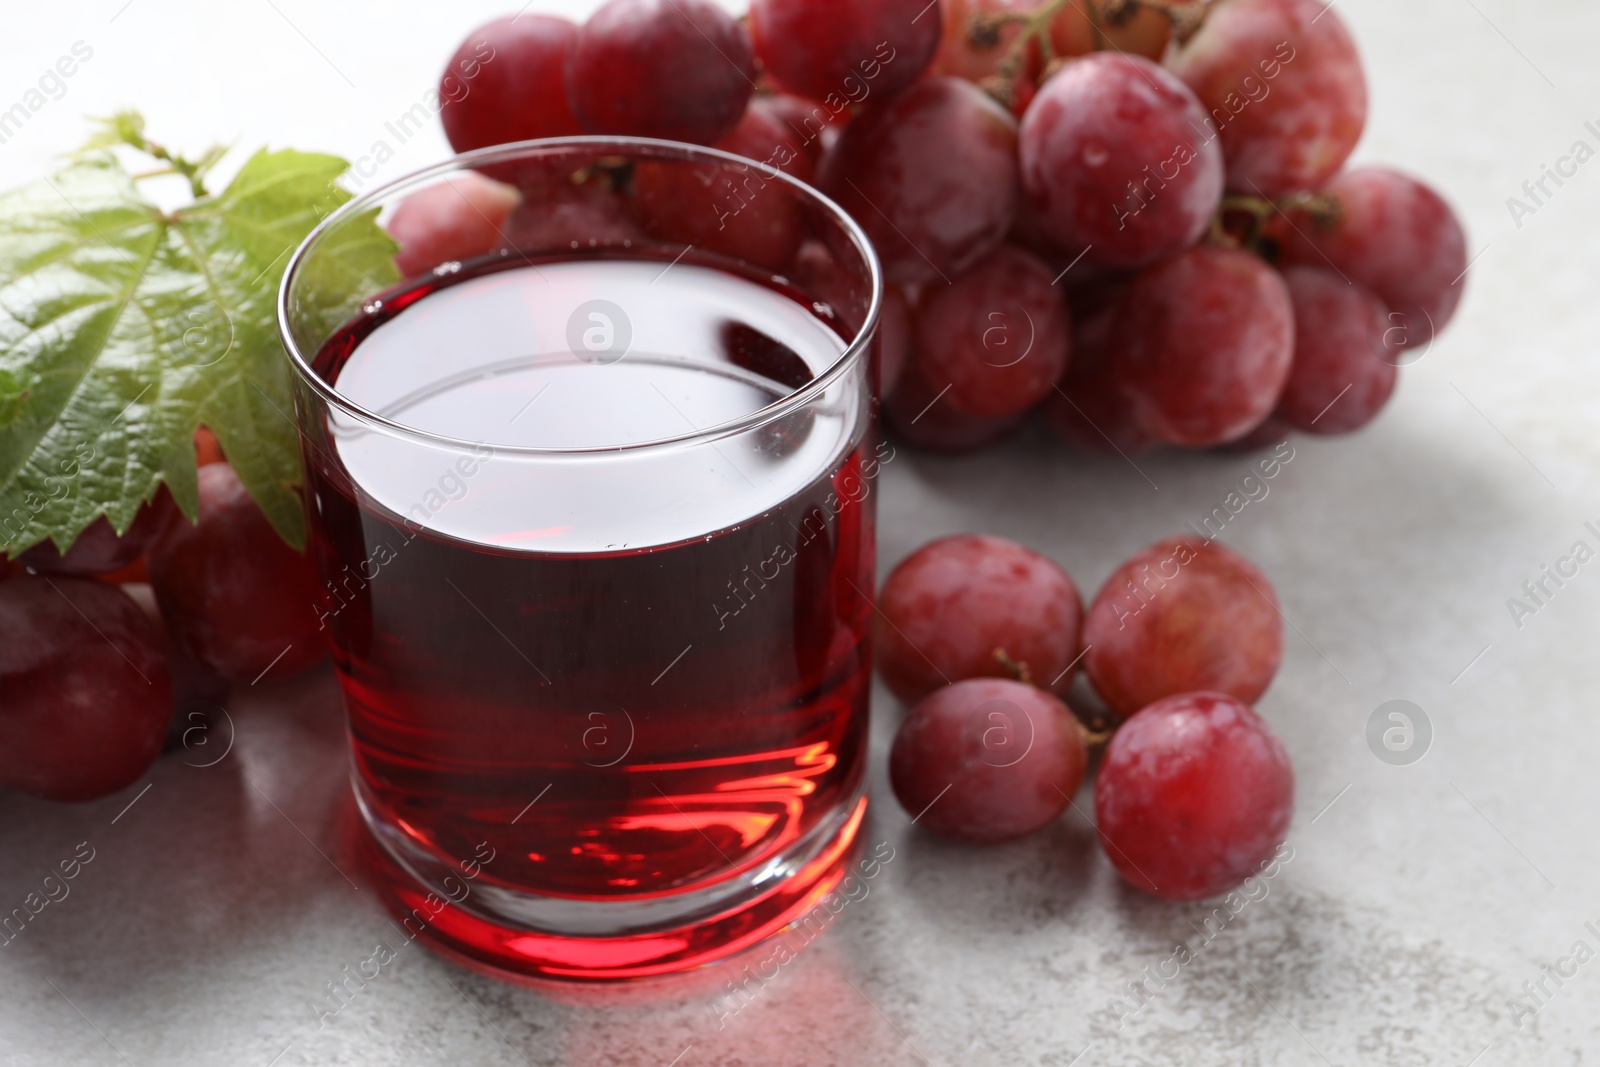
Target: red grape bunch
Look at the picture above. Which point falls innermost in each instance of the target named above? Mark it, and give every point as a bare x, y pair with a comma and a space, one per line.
1145, 204
981, 637
97, 675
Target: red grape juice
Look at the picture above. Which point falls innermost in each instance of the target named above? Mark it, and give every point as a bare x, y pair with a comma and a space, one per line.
632, 676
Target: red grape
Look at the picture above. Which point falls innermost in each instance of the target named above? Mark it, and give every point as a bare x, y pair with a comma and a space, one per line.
922, 415
843, 51
235, 596
1194, 795
98, 550
763, 136
507, 82
1183, 615
811, 125
974, 606
87, 692
894, 338
1203, 343
739, 210
462, 216
1116, 157
680, 70
931, 176
1393, 235
1284, 86
1088, 408
1342, 374
999, 334
987, 760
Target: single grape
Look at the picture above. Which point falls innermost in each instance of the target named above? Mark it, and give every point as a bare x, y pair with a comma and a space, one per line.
558, 214
1283, 83
680, 70
931, 176
813, 126
234, 595
1203, 343
987, 760
87, 692
1118, 161
1089, 408
1183, 615
999, 334
1194, 795
762, 136
98, 550
975, 606
1343, 374
844, 52
921, 415
507, 82
1392, 234
894, 338
740, 210
459, 217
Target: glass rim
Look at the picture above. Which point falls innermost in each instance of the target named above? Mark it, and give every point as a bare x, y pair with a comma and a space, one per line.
854, 351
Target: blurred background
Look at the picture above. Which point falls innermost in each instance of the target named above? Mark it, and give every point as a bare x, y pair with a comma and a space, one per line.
1421, 898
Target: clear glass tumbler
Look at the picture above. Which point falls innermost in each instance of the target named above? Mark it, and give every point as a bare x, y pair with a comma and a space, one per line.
590, 480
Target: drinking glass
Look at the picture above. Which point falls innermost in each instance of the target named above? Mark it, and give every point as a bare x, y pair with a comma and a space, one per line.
591, 489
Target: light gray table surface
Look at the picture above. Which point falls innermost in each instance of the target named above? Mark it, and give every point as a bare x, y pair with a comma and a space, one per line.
1419, 900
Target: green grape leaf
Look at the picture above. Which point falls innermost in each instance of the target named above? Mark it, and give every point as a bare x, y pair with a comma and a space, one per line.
123, 328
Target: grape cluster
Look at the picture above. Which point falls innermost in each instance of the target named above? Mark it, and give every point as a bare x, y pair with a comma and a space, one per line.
107, 650
981, 636
1131, 215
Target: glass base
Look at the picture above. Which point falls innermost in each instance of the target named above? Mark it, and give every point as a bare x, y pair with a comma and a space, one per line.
487, 928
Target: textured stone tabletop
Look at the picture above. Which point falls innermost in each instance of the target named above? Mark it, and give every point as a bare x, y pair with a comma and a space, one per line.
212, 904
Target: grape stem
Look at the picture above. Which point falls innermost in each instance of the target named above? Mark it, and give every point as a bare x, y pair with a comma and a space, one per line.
1095, 736
984, 32
1018, 670
1322, 210
194, 170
